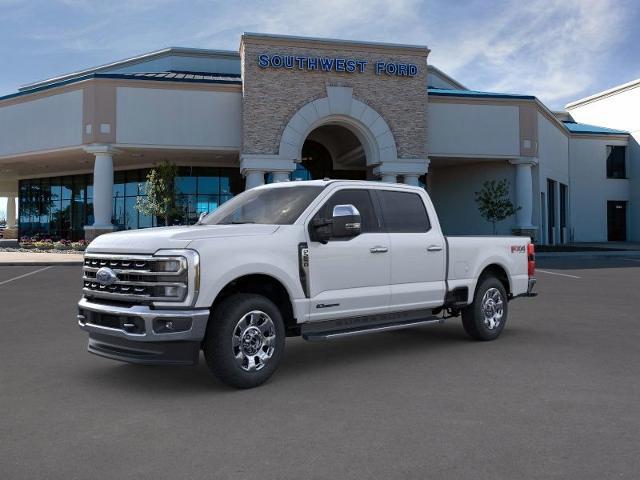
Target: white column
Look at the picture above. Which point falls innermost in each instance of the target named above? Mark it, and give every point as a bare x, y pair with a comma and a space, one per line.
280, 176
11, 211
253, 178
413, 180
102, 186
389, 178
524, 191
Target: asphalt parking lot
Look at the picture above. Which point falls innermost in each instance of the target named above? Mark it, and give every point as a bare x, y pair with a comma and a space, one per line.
557, 396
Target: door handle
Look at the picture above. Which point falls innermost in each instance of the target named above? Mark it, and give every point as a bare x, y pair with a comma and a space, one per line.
434, 248
379, 249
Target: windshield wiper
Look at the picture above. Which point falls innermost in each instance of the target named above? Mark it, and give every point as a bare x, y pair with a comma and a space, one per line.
239, 222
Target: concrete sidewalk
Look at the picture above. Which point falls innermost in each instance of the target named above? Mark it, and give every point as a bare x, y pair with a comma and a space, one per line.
39, 259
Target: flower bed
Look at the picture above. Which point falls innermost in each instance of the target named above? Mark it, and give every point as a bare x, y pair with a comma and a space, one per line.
36, 244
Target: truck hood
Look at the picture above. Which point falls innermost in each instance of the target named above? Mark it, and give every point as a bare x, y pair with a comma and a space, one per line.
150, 240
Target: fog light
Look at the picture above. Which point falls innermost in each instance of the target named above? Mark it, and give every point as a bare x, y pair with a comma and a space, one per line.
161, 325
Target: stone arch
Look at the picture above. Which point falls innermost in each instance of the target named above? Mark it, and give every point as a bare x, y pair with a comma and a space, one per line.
340, 108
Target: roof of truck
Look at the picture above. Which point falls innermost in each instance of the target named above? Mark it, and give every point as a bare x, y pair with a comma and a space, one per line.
325, 182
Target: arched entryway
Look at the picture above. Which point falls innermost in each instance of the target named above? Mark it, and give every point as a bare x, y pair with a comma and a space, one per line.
336, 136
333, 151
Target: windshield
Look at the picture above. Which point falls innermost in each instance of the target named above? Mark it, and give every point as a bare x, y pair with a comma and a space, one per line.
271, 206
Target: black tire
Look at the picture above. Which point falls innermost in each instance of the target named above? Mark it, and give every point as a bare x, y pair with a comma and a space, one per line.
229, 355
474, 321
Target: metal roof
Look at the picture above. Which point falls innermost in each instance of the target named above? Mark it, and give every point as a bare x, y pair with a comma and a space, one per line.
186, 77
145, 57
176, 75
575, 127
444, 92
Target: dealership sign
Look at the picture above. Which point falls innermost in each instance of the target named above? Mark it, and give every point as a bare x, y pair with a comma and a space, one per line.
335, 64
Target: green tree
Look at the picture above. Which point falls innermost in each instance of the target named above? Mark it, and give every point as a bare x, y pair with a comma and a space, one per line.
160, 199
494, 203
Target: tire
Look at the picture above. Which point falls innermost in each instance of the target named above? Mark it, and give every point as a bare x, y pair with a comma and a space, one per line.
482, 324
245, 340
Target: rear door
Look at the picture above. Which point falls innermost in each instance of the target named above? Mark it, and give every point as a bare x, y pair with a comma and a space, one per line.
418, 252
616, 221
350, 277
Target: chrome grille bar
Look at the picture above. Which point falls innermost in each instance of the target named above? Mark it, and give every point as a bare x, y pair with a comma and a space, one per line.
140, 278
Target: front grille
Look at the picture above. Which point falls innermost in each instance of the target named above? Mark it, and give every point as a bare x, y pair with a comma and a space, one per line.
138, 279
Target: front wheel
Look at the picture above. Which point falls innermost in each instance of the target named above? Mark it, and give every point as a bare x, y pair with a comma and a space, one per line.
245, 340
485, 318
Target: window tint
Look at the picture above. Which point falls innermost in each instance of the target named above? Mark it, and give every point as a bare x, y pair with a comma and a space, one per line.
616, 167
403, 212
361, 199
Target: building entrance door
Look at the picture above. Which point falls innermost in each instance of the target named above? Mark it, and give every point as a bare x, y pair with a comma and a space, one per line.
617, 221
333, 151
551, 212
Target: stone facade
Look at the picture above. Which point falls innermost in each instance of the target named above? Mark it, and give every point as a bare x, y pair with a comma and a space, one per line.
272, 96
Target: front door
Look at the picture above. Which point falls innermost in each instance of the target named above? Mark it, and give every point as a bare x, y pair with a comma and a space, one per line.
617, 221
418, 252
350, 277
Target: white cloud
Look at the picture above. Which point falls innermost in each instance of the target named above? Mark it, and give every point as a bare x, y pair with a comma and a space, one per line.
548, 48
554, 49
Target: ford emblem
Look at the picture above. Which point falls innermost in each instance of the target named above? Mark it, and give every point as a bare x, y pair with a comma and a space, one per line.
105, 276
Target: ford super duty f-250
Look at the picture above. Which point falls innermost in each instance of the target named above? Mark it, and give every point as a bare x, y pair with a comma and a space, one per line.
317, 259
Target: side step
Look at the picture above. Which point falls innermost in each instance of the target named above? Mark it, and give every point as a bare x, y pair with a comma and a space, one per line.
361, 330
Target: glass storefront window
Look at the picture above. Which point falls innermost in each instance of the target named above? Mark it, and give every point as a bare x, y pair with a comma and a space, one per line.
60, 207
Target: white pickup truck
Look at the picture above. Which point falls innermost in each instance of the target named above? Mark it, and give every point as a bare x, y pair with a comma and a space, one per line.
317, 259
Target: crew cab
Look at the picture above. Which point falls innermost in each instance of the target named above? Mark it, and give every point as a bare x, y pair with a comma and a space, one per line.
317, 259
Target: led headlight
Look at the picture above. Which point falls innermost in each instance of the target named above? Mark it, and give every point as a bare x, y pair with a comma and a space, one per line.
170, 266
178, 278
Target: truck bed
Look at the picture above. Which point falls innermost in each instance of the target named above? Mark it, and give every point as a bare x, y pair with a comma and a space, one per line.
468, 256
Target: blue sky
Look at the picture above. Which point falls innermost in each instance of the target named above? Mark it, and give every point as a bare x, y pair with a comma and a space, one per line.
557, 50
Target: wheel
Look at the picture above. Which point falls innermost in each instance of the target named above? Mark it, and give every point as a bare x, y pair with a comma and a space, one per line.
245, 340
485, 318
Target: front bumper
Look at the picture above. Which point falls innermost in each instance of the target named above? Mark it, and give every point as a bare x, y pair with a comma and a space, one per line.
139, 334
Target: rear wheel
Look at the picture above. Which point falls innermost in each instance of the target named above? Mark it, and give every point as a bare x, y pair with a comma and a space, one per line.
245, 340
485, 318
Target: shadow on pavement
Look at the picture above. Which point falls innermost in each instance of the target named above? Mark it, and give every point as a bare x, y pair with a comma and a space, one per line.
301, 359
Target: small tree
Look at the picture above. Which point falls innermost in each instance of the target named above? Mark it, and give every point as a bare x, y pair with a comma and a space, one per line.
160, 200
494, 203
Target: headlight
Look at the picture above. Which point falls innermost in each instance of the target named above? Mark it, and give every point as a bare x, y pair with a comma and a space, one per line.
181, 284
170, 266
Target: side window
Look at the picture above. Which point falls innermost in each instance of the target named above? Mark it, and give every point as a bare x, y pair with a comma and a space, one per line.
403, 212
361, 199
616, 161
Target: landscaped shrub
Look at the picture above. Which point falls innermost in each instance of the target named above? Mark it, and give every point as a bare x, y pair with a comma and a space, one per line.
40, 243
79, 245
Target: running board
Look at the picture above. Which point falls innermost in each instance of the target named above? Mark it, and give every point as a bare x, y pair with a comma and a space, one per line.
361, 330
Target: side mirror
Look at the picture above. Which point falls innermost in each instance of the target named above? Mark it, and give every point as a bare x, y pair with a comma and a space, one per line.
202, 215
346, 221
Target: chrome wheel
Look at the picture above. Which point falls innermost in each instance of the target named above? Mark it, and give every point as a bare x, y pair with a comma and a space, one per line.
254, 340
492, 308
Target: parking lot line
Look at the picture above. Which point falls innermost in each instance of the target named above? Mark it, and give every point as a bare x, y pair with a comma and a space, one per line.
556, 273
25, 275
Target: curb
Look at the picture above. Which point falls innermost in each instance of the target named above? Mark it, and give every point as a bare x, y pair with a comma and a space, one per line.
596, 254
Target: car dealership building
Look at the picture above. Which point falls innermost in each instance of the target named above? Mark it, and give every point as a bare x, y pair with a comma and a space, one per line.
75, 149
